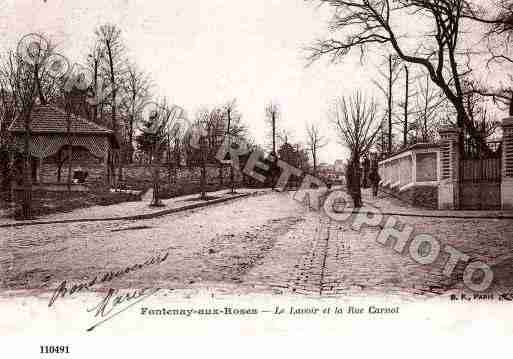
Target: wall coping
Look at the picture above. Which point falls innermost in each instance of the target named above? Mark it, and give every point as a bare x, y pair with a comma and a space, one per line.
449, 129
408, 151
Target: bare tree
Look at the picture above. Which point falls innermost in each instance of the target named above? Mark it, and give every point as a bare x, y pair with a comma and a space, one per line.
8, 112
371, 23
427, 109
159, 124
385, 84
234, 129
355, 122
498, 19
201, 131
175, 142
26, 79
484, 123
405, 105
315, 142
272, 115
284, 136
136, 85
94, 61
497, 15
111, 46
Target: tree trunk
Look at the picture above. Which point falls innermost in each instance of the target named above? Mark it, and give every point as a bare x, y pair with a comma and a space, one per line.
156, 190
273, 182
314, 155
232, 179
221, 174
390, 104
405, 127
4, 160
70, 142
203, 182
511, 105
228, 129
156, 187
274, 133
121, 158
355, 182
131, 139
203, 179
156, 181
26, 202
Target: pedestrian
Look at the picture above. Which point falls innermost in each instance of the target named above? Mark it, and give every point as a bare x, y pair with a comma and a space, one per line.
375, 179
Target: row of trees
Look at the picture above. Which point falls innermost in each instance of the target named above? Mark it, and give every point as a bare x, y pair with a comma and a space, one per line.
442, 52
432, 74
168, 135
109, 89
114, 92
116, 87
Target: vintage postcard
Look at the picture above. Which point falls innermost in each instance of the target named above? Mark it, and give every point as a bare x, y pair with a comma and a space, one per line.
234, 169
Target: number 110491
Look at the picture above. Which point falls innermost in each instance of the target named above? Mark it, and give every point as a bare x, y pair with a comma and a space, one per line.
54, 349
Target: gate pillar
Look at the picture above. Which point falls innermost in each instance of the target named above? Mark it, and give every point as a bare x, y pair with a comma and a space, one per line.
507, 164
448, 189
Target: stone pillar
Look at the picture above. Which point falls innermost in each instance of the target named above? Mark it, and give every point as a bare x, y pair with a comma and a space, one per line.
448, 189
507, 164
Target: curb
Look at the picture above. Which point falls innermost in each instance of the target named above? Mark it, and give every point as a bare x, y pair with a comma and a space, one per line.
428, 215
398, 214
135, 217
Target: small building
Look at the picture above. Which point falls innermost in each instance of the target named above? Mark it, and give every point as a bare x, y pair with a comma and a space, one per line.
49, 146
340, 166
330, 173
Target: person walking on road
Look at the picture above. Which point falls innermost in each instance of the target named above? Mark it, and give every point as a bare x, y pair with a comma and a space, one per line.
375, 179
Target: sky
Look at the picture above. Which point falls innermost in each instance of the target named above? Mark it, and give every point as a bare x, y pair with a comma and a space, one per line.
209, 52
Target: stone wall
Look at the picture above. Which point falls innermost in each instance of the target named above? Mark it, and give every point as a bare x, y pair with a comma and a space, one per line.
412, 175
136, 175
418, 196
82, 160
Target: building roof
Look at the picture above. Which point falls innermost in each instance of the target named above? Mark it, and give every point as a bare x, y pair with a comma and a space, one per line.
50, 119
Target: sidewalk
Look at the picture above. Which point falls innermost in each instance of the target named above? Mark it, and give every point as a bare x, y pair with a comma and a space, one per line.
135, 210
390, 205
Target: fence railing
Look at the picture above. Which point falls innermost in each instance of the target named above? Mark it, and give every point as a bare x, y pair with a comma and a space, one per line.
481, 170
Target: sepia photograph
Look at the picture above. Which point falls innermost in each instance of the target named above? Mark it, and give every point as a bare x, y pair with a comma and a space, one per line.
240, 169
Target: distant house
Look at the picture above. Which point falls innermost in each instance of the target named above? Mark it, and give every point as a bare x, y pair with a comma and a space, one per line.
331, 173
340, 166
50, 138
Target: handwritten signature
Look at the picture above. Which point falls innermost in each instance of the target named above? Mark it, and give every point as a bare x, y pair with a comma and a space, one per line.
105, 308
62, 290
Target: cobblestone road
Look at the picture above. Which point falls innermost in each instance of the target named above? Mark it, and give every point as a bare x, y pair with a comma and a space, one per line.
263, 244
